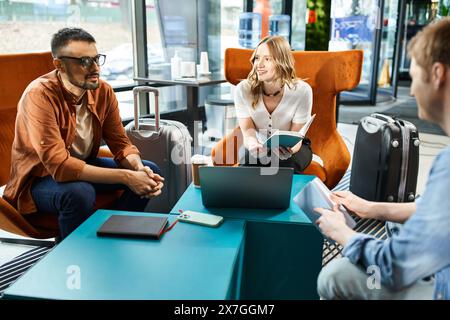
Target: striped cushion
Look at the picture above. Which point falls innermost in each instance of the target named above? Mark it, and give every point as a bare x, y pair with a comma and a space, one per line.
12, 270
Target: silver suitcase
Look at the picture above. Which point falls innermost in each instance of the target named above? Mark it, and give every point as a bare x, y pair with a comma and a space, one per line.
166, 143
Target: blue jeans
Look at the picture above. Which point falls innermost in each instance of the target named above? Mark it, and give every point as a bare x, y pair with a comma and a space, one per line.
73, 202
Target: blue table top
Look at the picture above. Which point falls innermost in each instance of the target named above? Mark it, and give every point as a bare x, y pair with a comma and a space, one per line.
188, 262
192, 200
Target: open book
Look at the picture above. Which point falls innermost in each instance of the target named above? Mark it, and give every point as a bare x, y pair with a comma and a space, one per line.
317, 195
288, 138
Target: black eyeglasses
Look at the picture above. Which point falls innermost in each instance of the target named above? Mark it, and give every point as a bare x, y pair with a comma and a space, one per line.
87, 62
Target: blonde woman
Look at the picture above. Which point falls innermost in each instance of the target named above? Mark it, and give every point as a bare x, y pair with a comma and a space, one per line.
273, 98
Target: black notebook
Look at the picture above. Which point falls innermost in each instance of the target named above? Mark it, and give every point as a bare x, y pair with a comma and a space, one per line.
133, 227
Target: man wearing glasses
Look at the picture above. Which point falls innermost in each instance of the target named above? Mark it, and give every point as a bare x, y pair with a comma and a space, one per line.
61, 120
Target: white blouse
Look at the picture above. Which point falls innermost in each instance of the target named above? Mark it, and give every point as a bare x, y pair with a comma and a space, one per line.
295, 107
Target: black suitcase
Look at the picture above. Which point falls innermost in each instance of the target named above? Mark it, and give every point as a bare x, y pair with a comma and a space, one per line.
385, 159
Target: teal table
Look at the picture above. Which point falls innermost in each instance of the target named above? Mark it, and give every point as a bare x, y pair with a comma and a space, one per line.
283, 250
188, 262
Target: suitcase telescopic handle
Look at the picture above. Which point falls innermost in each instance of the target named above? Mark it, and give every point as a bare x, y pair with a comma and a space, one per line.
382, 117
142, 89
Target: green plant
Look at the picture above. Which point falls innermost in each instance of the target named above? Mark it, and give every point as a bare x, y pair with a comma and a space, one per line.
318, 32
444, 10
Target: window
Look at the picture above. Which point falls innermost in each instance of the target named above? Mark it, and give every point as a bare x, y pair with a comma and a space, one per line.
267, 8
28, 26
229, 24
187, 27
298, 25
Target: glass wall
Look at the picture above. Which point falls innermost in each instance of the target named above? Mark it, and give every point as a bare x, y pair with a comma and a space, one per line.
298, 25
229, 24
353, 27
267, 8
28, 25
188, 26
419, 13
388, 43
370, 26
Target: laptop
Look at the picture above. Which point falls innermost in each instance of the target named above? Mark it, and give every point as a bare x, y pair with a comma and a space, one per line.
245, 187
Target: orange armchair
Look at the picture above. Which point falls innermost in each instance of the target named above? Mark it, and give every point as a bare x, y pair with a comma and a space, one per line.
328, 73
18, 70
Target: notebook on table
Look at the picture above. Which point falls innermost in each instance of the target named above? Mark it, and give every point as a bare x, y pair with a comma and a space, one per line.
133, 227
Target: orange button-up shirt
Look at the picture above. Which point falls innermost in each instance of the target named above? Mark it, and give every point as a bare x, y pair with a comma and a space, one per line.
45, 130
